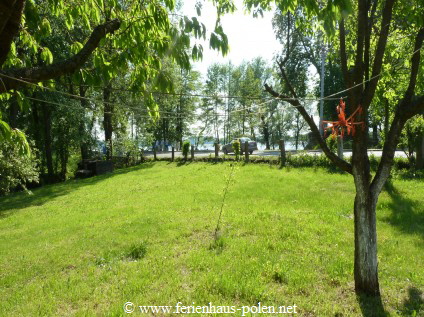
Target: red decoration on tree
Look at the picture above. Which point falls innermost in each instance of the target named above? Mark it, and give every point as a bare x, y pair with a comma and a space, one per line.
349, 125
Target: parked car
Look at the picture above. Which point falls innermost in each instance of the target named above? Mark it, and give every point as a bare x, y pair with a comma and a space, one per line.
228, 148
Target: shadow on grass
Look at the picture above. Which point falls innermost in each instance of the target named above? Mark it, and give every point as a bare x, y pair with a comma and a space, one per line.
184, 162
40, 196
407, 214
371, 306
414, 304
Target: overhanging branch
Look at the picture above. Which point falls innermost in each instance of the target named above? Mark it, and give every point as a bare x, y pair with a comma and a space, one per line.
342, 164
10, 22
379, 53
37, 74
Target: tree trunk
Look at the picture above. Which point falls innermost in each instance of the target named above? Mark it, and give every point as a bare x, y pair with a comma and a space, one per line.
83, 129
297, 131
265, 132
296, 139
179, 127
13, 113
386, 118
63, 154
419, 164
48, 141
244, 120
37, 135
107, 121
374, 135
252, 132
366, 266
10, 23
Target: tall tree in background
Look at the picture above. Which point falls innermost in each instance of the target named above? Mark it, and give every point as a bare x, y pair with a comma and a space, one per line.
235, 98
177, 110
214, 88
298, 53
302, 42
144, 24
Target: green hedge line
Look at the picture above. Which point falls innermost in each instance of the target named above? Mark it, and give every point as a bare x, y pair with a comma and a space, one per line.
304, 160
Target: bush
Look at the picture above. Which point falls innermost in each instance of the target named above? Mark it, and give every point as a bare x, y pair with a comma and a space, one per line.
186, 149
332, 143
16, 169
306, 160
127, 149
236, 148
402, 163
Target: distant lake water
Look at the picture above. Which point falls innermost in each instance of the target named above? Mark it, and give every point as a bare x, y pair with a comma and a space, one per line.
261, 146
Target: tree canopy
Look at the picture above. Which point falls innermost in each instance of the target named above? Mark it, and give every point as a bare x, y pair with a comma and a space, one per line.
119, 36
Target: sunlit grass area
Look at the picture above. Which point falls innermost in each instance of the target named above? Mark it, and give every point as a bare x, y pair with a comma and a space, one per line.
146, 235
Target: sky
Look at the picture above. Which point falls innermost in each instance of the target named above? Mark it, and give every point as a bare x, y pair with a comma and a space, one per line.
248, 37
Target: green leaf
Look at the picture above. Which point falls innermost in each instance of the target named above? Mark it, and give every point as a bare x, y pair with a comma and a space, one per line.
45, 27
98, 61
69, 20
5, 131
13, 49
76, 47
19, 137
86, 21
46, 55
22, 101
199, 8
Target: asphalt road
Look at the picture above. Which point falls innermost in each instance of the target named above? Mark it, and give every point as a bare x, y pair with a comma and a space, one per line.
346, 153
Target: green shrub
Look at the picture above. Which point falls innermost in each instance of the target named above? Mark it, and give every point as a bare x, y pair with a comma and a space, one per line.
374, 161
306, 160
16, 169
332, 143
127, 149
402, 163
186, 149
236, 148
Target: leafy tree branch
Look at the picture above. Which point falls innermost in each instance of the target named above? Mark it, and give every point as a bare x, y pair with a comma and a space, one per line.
37, 74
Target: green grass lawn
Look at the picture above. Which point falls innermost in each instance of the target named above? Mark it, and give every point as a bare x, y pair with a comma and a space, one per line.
146, 235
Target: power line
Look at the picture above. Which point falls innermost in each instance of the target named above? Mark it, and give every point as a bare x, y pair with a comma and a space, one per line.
329, 97
176, 94
79, 108
174, 116
152, 92
169, 114
73, 96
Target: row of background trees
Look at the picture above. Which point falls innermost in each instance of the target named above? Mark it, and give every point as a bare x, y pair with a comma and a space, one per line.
113, 105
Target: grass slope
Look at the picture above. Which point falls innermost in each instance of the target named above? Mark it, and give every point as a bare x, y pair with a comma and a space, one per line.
145, 235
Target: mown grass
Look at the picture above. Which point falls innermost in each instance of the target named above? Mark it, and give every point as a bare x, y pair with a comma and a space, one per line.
146, 235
